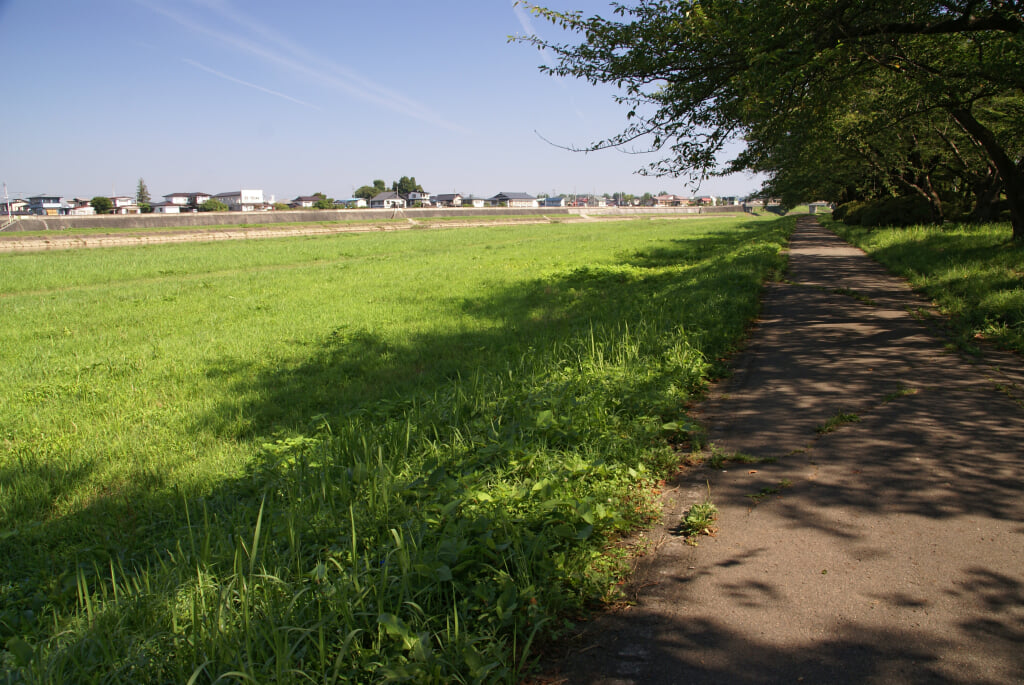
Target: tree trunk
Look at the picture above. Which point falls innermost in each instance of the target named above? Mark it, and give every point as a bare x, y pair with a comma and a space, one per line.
1011, 173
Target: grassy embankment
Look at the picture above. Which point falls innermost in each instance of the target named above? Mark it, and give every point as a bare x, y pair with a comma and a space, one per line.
344, 458
388, 221
145, 230
974, 273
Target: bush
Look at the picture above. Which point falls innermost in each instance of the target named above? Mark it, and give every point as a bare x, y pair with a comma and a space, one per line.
896, 211
849, 212
213, 205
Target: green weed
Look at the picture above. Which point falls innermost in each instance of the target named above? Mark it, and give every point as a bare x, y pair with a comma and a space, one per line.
699, 520
766, 492
860, 297
835, 422
719, 459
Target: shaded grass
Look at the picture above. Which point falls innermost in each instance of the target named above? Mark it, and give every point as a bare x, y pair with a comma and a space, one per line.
344, 458
975, 274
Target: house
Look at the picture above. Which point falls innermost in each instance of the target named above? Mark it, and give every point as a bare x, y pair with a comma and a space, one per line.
304, 201
418, 199
448, 200
47, 205
80, 207
245, 200
475, 202
177, 199
17, 206
669, 201
389, 199
168, 207
554, 202
353, 203
122, 204
504, 199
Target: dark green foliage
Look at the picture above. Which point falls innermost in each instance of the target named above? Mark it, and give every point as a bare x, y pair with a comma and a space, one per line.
406, 185
102, 205
836, 101
142, 193
213, 205
895, 211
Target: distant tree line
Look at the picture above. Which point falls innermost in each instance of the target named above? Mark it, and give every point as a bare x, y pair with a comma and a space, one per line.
403, 186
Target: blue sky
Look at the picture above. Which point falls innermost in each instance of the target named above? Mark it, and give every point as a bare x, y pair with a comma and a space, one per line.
295, 98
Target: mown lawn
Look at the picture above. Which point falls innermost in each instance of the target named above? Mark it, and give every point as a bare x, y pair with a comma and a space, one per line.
345, 458
975, 273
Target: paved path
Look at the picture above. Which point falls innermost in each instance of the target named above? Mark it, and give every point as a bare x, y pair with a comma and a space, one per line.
888, 551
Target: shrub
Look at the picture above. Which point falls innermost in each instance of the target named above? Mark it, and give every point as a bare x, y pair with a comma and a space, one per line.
850, 212
896, 211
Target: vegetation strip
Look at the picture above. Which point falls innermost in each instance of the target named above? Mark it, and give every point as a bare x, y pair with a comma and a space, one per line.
347, 458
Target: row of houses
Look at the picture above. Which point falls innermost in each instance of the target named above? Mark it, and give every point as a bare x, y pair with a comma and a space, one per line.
249, 200
244, 200
393, 200
56, 205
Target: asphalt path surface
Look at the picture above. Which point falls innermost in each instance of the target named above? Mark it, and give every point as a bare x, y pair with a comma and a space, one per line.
887, 550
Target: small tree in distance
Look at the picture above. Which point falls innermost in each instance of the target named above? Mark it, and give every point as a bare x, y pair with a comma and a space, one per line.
323, 202
101, 204
213, 205
142, 193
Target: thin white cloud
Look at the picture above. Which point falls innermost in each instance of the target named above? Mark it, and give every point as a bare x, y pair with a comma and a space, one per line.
526, 21
254, 86
271, 47
523, 15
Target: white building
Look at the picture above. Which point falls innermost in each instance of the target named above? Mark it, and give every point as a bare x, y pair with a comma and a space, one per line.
169, 207
241, 200
389, 199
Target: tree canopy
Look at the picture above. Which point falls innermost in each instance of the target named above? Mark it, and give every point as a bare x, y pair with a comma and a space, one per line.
323, 202
406, 185
213, 205
835, 100
403, 186
142, 193
372, 190
102, 204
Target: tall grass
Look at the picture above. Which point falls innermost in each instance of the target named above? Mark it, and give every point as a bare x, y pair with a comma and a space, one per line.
975, 273
350, 458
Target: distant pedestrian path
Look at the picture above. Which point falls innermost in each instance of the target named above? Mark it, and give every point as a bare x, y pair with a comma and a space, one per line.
885, 543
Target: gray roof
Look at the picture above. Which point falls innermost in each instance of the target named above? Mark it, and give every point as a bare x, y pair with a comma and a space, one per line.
513, 196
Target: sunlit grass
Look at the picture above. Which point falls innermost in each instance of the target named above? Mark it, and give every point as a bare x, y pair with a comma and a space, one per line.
346, 457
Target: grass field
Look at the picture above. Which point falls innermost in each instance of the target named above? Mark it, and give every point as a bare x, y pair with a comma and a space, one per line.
975, 273
145, 230
345, 458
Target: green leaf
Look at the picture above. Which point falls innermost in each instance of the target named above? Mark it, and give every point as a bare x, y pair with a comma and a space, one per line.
22, 651
546, 420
